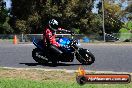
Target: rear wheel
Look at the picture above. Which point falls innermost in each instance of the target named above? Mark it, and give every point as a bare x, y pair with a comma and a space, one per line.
85, 57
54, 63
39, 56
54, 60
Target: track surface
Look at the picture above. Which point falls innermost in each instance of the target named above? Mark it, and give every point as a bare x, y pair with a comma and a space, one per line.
116, 58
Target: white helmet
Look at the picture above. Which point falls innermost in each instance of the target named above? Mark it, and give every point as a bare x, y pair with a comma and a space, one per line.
53, 24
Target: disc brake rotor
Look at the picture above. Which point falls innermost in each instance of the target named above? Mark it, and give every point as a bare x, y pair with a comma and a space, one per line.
89, 58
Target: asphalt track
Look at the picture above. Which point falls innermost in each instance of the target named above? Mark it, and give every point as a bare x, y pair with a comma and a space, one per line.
109, 57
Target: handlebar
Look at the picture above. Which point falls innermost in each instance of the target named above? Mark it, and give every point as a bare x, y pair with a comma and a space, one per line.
73, 42
71, 32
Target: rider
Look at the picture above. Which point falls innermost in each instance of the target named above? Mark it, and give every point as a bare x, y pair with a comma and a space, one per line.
49, 35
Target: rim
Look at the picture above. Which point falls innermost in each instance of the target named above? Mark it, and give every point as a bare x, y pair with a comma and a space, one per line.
89, 58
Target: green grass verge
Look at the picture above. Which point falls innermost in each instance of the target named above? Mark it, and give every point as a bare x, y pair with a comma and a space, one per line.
21, 83
32, 78
6, 40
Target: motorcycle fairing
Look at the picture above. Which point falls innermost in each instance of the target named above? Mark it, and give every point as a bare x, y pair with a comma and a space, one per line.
38, 44
64, 41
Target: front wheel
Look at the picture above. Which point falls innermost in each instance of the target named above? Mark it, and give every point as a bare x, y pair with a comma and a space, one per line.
85, 57
38, 56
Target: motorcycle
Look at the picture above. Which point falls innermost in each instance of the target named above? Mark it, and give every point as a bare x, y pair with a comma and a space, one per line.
70, 49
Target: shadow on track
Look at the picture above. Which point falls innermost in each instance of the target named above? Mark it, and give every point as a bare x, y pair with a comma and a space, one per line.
49, 64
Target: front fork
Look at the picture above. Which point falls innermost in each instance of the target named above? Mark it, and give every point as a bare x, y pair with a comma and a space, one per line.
77, 53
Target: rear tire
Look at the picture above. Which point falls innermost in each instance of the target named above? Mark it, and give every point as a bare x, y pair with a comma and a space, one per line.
54, 60
86, 58
39, 56
54, 63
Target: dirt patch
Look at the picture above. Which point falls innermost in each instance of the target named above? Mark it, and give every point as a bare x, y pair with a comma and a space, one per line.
37, 74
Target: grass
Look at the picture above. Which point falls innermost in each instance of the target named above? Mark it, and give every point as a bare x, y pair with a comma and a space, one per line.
31, 78
20, 83
7, 40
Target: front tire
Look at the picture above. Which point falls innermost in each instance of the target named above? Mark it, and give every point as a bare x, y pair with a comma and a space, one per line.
89, 57
39, 56
85, 57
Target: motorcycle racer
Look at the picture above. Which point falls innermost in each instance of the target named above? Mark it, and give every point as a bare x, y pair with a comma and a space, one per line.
49, 37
